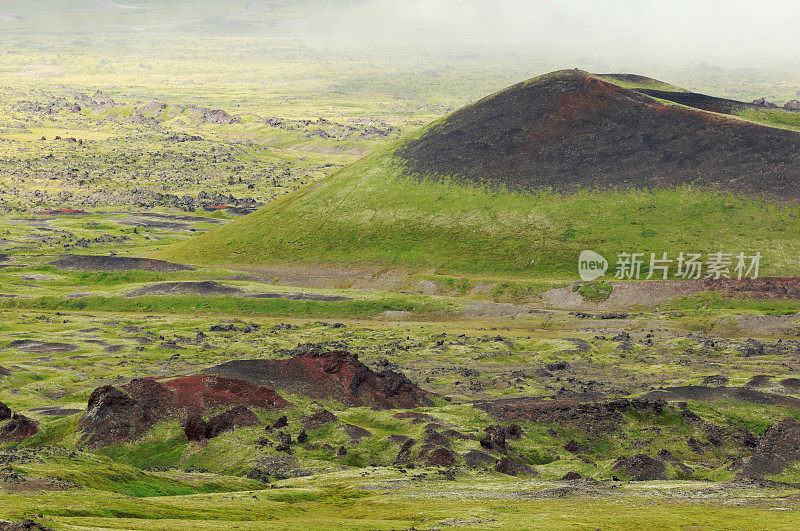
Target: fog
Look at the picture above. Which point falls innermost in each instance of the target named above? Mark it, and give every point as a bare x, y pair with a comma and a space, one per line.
726, 33
731, 32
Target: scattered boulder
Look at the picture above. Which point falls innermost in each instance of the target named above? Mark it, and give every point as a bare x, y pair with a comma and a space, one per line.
318, 419
398, 439
284, 442
440, 457
641, 467
574, 447
478, 459
23, 525
110, 418
5, 412
114, 415
4, 372
571, 476
759, 380
404, 455
18, 428
513, 467
334, 375
277, 466
236, 417
590, 417
792, 384
495, 438
302, 437
282, 422
715, 379
356, 433
779, 446
764, 103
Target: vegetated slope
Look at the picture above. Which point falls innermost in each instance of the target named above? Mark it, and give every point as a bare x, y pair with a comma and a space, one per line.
466, 194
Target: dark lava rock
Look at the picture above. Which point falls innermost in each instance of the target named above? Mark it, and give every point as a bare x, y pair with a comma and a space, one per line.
440, 457
454, 434
114, 415
792, 384
759, 380
342, 451
5, 412
337, 375
557, 366
318, 419
398, 439
281, 422
570, 476
236, 417
478, 459
4, 372
434, 438
575, 447
110, 418
23, 525
512, 467
715, 379
752, 347
302, 437
779, 446
591, 417
404, 455
277, 466
18, 428
284, 442
195, 428
356, 433
641, 467
495, 438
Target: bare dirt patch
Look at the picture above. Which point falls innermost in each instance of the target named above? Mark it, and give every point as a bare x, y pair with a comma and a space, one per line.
211, 287
624, 295
41, 347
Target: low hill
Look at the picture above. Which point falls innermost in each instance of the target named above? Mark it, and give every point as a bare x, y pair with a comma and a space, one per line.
521, 181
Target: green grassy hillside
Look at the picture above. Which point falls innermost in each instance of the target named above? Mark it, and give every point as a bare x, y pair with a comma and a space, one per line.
373, 213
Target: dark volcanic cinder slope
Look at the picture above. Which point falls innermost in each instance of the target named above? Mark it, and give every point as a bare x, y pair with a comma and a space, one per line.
705, 102
337, 375
570, 130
